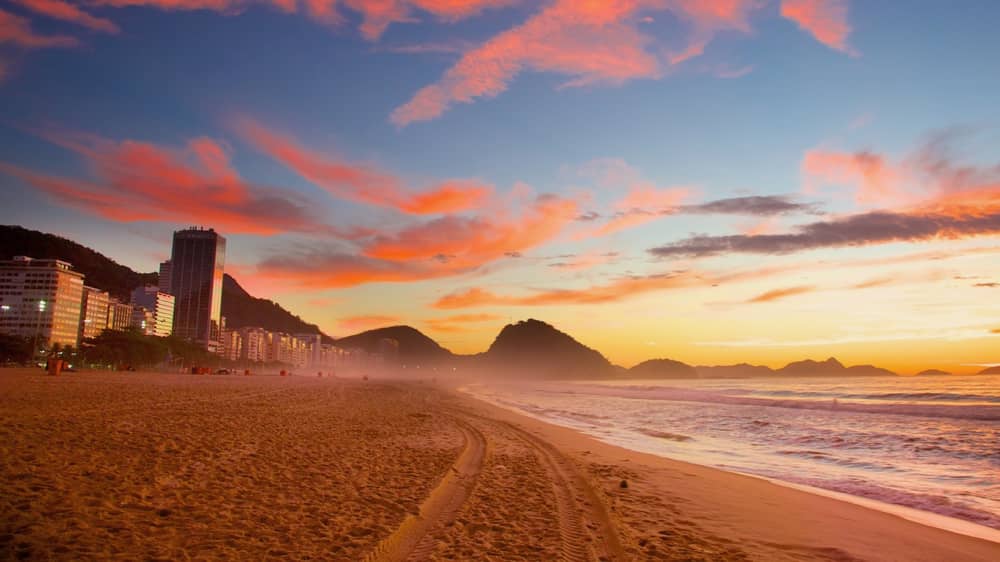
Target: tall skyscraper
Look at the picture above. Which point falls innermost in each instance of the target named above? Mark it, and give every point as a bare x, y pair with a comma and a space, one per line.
166, 269
196, 263
41, 299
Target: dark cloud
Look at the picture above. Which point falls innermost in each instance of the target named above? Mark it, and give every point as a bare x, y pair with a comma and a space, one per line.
988, 285
588, 216
869, 228
758, 205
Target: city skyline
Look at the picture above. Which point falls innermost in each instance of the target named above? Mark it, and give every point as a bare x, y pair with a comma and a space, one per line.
706, 181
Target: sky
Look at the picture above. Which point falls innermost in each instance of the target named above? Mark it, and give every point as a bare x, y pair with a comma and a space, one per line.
713, 181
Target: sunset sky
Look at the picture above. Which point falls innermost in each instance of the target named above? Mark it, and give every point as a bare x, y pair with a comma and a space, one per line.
713, 181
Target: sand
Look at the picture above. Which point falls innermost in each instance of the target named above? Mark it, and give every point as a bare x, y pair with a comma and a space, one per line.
176, 467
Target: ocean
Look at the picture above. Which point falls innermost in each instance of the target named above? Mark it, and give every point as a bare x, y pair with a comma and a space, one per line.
929, 443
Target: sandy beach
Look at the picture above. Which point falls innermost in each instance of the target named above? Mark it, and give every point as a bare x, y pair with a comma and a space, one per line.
177, 467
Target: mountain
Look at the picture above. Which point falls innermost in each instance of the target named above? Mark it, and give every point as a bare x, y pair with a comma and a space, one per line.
932, 372
414, 347
830, 367
662, 369
101, 271
242, 310
532, 348
990, 371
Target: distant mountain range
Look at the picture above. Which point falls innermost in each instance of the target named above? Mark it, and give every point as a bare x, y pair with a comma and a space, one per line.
528, 349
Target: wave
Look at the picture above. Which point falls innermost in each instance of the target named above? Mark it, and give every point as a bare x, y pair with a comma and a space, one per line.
985, 412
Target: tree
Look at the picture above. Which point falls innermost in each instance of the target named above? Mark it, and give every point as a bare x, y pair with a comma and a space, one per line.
15, 349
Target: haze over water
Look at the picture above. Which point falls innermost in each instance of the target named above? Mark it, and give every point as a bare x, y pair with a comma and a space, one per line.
929, 443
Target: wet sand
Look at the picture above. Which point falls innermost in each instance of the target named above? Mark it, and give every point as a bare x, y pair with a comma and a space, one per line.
175, 467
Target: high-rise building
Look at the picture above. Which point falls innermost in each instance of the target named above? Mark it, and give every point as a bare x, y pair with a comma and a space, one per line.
232, 345
41, 299
119, 315
196, 263
313, 347
254, 344
94, 314
166, 269
160, 306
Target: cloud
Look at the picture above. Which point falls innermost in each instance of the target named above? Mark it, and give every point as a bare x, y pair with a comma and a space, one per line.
460, 322
755, 205
140, 181
585, 261
17, 31
941, 200
589, 42
987, 285
368, 322
611, 292
466, 242
778, 294
826, 20
995, 331
65, 11
879, 227
443, 247
877, 181
321, 269
360, 183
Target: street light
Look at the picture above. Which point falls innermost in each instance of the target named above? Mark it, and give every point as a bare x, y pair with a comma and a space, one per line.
38, 328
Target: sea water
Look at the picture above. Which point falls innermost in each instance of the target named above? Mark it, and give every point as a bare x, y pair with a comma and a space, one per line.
930, 443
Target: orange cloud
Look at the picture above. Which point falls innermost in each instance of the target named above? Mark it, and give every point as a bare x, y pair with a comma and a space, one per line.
140, 181
995, 331
17, 31
464, 242
644, 203
826, 20
459, 322
611, 292
361, 183
62, 10
778, 294
368, 322
876, 181
591, 42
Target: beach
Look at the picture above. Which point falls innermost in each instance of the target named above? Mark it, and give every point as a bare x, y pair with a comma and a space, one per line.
174, 467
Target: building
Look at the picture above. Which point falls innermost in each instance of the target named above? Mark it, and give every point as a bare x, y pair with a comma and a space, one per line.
119, 315
160, 306
232, 345
94, 314
314, 348
41, 299
197, 260
166, 269
143, 320
254, 345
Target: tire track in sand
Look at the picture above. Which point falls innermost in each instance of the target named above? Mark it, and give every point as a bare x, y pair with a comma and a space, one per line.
585, 527
413, 539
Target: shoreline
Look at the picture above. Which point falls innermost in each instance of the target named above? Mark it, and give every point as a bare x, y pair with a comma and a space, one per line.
168, 466
941, 537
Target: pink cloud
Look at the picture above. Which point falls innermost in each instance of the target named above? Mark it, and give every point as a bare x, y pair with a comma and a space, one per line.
17, 31
65, 11
826, 20
876, 181
140, 181
361, 183
590, 42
